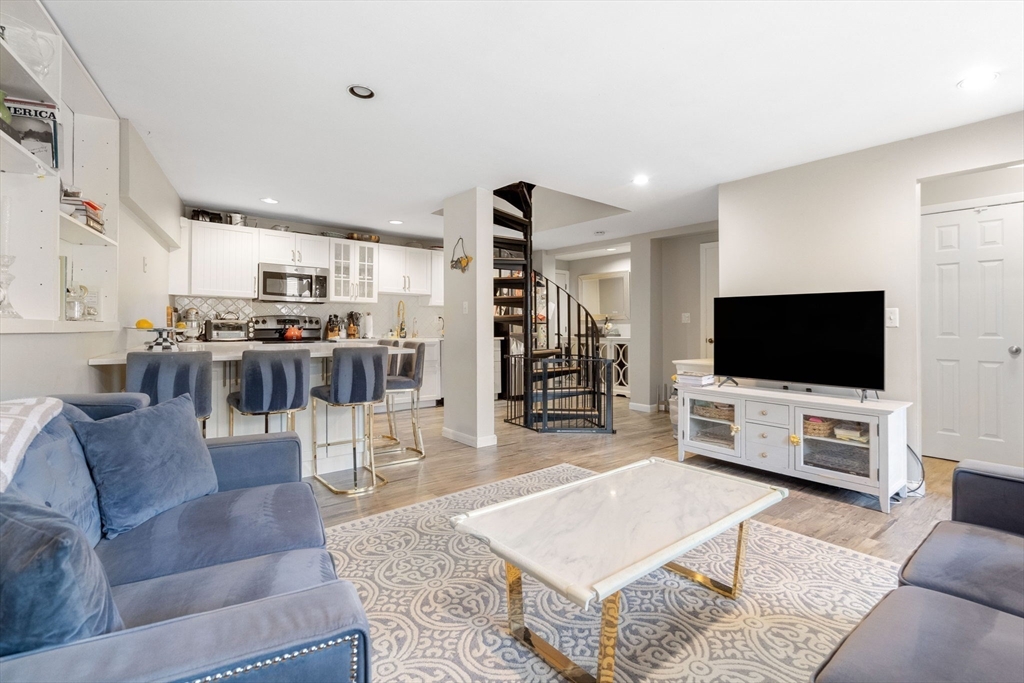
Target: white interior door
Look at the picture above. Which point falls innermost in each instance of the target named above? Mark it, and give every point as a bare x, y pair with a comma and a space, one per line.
708, 292
972, 328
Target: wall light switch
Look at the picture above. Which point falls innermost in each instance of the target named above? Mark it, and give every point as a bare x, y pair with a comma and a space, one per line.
892, 317
686, 317
465, 307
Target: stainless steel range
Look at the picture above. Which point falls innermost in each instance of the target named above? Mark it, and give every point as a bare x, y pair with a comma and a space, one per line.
276, 329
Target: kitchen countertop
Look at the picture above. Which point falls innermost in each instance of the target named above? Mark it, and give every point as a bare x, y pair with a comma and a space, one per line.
229, 351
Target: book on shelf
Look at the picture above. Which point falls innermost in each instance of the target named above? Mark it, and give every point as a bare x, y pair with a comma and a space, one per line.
849, 431
694, 379
37, 129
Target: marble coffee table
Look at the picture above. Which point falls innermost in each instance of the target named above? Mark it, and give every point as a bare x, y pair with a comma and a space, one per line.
590, 539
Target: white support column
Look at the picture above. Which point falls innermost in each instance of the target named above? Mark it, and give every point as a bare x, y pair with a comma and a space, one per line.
468, 363
645, 371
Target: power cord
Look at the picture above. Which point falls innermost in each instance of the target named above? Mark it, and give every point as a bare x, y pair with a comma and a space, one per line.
920, 464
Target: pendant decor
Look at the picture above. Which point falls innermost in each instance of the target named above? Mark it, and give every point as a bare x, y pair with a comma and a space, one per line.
460, 262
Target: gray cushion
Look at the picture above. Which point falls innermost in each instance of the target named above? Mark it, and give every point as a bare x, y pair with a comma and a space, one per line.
54, 473
916, 635
224, 527
146, 462
223, 585
398, 383
971, 562
52, 586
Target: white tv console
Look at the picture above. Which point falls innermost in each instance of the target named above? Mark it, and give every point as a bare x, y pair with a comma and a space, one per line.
794, 433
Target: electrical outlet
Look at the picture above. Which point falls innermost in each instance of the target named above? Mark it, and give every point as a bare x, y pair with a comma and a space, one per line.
465, 307
686, 317
892, 317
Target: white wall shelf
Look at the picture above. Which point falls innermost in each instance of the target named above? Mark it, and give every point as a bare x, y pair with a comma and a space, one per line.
14, 158
74, 231
18, 79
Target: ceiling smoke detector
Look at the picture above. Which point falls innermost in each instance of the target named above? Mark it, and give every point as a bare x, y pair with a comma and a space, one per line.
360, 91
598, 233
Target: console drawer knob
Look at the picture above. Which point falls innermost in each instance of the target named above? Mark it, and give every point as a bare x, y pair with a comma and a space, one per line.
764, 435
764, 455
764, 412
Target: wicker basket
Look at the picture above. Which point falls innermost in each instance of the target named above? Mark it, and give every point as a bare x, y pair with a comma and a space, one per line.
823, 428
715, 412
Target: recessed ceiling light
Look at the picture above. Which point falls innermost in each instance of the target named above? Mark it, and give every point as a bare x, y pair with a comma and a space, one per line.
268, 200
611, 248
395, 222
640, 180
360, 91
978, 80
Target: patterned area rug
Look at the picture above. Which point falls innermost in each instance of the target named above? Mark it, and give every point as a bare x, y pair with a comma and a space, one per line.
436, 601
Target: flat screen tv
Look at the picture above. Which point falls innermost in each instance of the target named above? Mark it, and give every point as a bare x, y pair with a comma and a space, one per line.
835, 339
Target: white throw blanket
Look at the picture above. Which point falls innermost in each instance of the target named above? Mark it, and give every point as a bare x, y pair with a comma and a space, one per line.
20, 421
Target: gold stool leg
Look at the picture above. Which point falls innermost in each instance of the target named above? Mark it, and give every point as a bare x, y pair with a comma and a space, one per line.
550, 654
231, 420
376, 480
730, 592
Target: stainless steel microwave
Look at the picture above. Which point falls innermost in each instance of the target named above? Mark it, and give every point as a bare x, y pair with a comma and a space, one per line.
293, 283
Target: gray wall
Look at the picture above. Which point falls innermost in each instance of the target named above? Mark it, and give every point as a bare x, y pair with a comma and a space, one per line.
972, 186
680, 293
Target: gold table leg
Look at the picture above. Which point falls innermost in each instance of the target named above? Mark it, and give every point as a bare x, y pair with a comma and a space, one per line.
550, 654
737, 573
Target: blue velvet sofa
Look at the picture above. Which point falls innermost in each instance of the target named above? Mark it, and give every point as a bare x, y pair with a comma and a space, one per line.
958, 615
234, 585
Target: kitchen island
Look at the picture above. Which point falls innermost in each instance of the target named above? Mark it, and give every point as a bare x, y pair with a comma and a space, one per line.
226, 378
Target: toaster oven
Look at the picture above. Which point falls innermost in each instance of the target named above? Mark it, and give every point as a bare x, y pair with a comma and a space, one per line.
229, 330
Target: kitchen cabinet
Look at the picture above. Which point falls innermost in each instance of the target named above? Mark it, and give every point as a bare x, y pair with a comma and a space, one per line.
294, 249
354, 271
404, 270
223, 260
436, 278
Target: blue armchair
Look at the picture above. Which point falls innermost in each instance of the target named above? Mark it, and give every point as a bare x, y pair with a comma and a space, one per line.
237, 583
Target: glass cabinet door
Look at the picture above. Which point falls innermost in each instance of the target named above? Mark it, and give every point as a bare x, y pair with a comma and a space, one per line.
837, 445
713, 425
365, 269
341, 272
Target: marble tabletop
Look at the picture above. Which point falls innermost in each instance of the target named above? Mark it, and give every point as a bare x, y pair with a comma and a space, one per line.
232, 350
591, 538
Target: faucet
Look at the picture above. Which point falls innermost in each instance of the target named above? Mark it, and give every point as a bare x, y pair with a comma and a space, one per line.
401, 319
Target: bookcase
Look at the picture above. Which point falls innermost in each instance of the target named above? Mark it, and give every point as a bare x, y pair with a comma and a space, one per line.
826, 439
89, 159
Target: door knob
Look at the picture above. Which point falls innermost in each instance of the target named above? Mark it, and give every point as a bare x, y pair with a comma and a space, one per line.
711, 340
1014, 351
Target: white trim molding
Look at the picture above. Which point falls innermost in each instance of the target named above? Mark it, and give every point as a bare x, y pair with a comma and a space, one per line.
472, 441
644, 407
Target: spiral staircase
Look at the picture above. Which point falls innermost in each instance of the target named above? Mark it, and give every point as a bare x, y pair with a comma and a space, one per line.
553, 377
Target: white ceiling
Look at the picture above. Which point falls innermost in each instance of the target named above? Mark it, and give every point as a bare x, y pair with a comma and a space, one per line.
244, 100
613, 250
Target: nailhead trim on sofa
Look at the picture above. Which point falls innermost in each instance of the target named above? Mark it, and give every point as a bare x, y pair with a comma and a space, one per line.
353, 641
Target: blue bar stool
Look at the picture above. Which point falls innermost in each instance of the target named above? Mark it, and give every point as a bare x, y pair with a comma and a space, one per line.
273, 383
163, 376
358, 377
407, 379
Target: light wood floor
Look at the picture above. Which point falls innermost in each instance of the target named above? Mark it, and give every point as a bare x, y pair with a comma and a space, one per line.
842, 517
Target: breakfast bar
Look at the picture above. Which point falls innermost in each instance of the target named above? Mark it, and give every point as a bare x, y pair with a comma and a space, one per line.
226, 378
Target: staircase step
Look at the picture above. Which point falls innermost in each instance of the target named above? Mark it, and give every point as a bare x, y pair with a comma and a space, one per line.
515, 318
568, 392
511, 221
509, 282
509, 263
514, 301
558, 371
509, 242
546, 353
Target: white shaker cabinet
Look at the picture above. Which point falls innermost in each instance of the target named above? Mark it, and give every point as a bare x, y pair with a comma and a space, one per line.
294, 249
354, 271
404, 270
223, 260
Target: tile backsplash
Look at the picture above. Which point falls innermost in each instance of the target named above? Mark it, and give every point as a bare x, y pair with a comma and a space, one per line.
419, 317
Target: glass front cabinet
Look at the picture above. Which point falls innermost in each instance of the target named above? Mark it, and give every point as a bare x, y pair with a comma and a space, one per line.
836, 445
353, 271
713, 425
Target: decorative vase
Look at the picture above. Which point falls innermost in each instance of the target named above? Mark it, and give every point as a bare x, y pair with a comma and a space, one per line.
6, 309
5, 113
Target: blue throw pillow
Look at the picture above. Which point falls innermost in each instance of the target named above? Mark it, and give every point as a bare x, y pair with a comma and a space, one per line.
53, 589
146, 462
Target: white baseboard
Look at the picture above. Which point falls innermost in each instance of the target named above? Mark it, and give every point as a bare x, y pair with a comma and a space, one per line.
644, 407
473, 441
